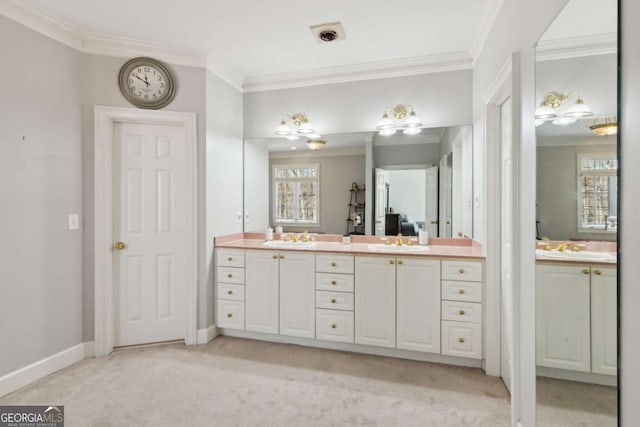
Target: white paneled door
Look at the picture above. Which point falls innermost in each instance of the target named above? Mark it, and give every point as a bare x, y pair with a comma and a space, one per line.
431, 210
150, 233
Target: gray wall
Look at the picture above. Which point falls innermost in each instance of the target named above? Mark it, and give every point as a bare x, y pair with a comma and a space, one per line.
629, 248
408, 154
557, 194
40, 176
337, 173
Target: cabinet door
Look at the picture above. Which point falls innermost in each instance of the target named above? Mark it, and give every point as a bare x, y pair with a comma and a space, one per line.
375, 301
604, 323
563, 317
261, 291
418, 292
297, 295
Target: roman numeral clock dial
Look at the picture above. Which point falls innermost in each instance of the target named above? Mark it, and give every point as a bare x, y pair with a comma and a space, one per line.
146, 83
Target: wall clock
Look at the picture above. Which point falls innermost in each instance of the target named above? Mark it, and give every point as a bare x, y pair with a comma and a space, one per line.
147, 83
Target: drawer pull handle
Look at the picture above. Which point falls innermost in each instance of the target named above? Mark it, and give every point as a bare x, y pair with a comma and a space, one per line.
281, 256
461, 271
275, 257
460, 339
229, 292
229, 315
333, 264
461, 312
333, 326
461, 291
400, 262
585, 271
333, 282
230, 259
391, 262
229, 275
333, 300
597, 272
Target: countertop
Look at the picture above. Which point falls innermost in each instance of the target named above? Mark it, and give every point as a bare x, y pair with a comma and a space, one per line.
591, 253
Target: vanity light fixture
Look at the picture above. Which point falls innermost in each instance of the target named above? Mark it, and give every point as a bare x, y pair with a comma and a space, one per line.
301, 126
399, 117
547, 110
609, 127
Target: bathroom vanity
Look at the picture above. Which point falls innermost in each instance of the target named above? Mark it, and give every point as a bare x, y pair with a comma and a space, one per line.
417, 302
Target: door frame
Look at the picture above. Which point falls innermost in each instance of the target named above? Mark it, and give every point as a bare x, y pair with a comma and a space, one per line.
105, 121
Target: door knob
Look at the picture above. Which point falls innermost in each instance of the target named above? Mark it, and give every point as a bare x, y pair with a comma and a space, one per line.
120, 245
434, 222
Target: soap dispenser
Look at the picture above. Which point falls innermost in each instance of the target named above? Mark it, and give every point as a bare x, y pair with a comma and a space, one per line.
423, 237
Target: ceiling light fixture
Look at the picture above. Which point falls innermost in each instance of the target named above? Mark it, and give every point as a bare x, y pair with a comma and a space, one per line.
609, 127
547, 110
399, 117
316, 144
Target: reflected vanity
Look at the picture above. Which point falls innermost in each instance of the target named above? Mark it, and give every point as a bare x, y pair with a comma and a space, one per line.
576, 264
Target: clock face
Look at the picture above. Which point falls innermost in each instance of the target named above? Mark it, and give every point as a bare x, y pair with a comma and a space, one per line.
146, 83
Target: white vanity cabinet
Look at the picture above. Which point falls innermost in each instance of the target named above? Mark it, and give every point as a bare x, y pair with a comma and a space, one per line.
418, 304
375, 301
262, 291
604, 320
230, 288
334, 297
563, 318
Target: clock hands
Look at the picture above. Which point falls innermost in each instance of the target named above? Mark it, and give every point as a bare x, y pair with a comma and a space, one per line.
145, 80
142, 80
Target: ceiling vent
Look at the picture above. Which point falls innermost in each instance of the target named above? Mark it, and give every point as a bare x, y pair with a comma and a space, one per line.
327, 33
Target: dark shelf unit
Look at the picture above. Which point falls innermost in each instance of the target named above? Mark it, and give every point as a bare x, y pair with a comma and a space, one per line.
355, 217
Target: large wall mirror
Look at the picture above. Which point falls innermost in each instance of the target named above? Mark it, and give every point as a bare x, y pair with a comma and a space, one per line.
363, 183
577, 228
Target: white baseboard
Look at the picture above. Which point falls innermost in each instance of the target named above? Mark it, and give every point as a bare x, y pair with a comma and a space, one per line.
583, 377
205, 336
40, 369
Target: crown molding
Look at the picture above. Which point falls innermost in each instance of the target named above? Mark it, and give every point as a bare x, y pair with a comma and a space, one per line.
365, 71
227, 74
486, 25
574, 47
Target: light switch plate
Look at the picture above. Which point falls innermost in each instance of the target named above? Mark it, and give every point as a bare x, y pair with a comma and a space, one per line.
74, 221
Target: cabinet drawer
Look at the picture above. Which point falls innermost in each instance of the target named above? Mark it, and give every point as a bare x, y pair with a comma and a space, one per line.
462, 339
230, 275
230, 257
230, 314
230, 292
462, 311
334, 300
334, 325
334, 282
334, 263
462, 270
462, 291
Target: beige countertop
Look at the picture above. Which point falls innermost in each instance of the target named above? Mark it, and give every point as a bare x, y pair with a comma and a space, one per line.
360, 245
592, 253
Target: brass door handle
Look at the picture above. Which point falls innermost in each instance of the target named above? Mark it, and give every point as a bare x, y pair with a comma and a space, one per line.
459, 233
597, 272
585, 271
333, 326
434, 222
275, 257
333, 264
333, 282
230, 259
333, 300
281, 256
229, 275
461, 312
461, 291
120, 245
229, 315
461, 271
400, 262
460, 339
391, 262
230, 292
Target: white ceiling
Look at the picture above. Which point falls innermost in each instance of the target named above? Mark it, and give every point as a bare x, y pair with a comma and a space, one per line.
254, 38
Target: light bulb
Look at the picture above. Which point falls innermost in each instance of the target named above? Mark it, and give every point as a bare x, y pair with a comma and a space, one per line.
283, 129
412, 131
385, 123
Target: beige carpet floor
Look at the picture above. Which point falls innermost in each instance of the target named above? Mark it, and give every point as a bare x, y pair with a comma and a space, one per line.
237, 382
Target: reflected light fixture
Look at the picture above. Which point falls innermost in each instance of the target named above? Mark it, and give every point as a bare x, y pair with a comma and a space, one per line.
316, 144
609, 127
292, 126
399, 117
547, 110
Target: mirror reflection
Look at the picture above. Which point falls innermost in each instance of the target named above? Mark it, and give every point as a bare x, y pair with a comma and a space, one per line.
363, 183
577, 203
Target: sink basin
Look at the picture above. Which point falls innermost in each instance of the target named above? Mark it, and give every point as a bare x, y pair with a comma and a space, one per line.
381, 247
577, 256
281, 244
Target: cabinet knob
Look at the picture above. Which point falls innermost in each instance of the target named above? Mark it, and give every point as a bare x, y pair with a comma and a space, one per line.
333, 300
597, 272
229, 315
229, 275
333, 264
585, 271
461, 291
461, 271
434, 222
333, 326
400, 262
275, 257
333, 282
230, 259
461, 312
229, 292
460, 339
391, 262
281, 256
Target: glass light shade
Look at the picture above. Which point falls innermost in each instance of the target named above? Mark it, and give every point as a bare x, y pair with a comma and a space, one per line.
292, 137
314, 136
412, 121
283, 129
545, 112
385, 123
579, 109
412, 131
316, 144
539, 122
305, 128
605, 129
564, 121
386, 132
